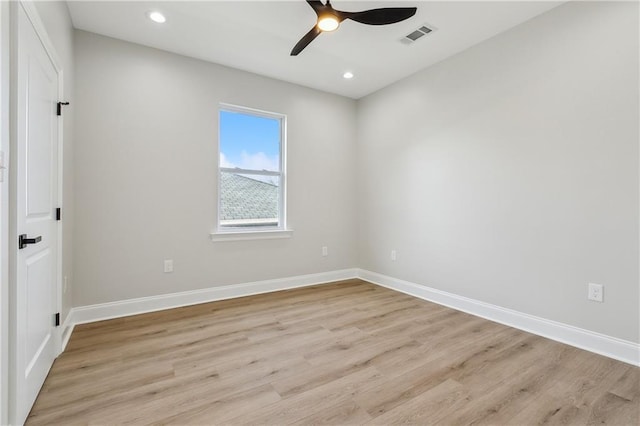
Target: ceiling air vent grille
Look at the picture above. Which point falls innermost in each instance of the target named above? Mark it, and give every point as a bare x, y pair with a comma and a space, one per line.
418, 33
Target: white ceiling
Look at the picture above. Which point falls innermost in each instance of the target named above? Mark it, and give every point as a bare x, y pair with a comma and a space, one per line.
258, 36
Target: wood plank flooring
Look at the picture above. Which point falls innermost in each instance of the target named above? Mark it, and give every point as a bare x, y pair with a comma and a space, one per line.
342, 354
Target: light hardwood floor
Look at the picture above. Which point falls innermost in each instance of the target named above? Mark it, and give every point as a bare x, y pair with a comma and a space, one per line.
345, 353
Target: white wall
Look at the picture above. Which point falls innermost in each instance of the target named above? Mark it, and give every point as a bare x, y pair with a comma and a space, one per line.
57, 21
509, 173
145, 173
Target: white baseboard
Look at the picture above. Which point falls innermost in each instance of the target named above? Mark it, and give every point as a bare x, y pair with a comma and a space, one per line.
67, 329
611, 347
104, 311
608, 346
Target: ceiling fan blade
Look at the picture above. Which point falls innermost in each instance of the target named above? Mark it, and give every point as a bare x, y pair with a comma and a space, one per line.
384, 16
316, 5
304, 41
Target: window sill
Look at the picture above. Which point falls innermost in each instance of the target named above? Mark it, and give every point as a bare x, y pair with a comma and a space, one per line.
250, 235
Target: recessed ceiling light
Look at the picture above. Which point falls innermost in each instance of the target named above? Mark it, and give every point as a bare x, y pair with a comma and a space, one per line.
158, 17
348, 75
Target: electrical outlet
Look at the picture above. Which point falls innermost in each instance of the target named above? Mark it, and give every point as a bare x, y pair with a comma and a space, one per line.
65, 286
168, 265
325, 251
394, 255
596, 292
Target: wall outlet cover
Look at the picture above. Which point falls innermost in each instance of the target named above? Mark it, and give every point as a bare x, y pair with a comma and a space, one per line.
595, 292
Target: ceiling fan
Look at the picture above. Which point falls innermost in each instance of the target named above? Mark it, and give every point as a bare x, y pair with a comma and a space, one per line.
329, 19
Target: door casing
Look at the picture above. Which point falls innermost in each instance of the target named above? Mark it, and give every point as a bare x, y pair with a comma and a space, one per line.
4, 213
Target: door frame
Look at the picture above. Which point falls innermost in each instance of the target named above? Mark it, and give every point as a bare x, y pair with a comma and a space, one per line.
4, 213
33, 16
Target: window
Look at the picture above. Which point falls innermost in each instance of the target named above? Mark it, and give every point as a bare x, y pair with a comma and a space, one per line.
251, 180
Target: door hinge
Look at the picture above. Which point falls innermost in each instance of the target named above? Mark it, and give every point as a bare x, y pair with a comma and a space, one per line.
58, 213
60, 104
57, 319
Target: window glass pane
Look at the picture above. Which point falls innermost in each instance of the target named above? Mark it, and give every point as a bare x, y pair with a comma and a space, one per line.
249, 200
249, 141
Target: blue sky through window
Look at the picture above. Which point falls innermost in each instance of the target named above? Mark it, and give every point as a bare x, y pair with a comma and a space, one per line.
249, 141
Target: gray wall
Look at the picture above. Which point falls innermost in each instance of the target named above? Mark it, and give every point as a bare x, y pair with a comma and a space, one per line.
509, 173
57, 21
145, 173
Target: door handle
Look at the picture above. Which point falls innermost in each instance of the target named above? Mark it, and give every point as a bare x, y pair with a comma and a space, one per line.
23, 241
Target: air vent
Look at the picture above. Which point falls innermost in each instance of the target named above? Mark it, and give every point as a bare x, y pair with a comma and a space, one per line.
415, 35
418, 33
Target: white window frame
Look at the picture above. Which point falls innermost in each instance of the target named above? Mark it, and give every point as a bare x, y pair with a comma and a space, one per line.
258, 232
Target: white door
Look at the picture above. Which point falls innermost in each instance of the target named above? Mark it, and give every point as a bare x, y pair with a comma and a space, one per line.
36, 198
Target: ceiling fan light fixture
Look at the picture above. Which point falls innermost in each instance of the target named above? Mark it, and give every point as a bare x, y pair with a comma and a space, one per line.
329, 19
328, 22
